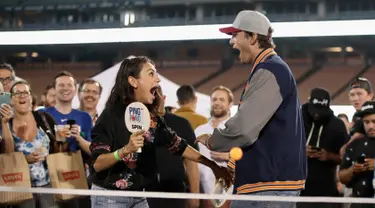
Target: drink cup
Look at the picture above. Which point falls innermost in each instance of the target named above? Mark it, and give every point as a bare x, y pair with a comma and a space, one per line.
38, 147
61, 132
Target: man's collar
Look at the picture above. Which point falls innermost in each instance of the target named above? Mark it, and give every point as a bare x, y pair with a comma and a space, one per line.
92, 115
63, 108
185, 109
221, 122
254, 62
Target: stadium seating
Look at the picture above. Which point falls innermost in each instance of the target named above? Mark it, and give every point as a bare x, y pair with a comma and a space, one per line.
335, 74
41, 74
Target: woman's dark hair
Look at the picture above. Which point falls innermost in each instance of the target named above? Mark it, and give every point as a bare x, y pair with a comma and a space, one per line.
18, 83
122, 92
343, 115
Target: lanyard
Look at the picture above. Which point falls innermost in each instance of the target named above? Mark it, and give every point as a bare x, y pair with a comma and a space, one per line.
260, 58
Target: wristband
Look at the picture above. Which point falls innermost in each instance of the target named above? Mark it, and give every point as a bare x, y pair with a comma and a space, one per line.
117, 157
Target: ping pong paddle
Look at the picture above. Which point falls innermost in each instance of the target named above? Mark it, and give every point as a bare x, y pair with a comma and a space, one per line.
220, 189
137, 118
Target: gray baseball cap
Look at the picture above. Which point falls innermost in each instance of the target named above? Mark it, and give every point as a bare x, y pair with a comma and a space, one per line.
250, 21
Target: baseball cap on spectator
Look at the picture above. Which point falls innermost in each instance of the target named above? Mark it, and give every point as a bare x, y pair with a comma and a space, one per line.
362, 83
368, 108
250, 21
319, 102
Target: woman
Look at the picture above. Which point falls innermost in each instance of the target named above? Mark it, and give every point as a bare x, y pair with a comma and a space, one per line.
345, 119
116, 165
33, 134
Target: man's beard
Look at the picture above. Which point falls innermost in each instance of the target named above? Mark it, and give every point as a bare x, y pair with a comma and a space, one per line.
369, 132
220, 114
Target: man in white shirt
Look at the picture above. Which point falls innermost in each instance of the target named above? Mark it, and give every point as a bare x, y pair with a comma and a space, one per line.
221, 103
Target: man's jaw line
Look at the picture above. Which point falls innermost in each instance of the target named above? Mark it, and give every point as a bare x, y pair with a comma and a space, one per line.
223, 118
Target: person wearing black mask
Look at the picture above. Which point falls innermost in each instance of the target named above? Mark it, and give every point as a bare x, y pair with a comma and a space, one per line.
325, 135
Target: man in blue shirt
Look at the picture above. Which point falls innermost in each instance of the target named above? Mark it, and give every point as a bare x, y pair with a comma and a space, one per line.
65, 86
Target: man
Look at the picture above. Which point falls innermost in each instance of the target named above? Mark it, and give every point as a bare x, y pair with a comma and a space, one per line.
89, 92
268, 125
5, 145
357, 167
65, 86
221, 103
187, 100
326, 135
359, 93
50, 99
171, 168
7, 76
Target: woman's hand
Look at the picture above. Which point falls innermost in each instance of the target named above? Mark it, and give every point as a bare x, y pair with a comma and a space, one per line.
33, 157
161, 104
136, 141
6, 113
225, 174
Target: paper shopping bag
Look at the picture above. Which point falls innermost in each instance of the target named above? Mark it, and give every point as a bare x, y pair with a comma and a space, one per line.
14, 172
67, 171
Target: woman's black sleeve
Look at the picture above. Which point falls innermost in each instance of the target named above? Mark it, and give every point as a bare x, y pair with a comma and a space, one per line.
101, 135
175, 144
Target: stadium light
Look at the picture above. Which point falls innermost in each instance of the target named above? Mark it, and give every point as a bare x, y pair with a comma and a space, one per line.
176, 33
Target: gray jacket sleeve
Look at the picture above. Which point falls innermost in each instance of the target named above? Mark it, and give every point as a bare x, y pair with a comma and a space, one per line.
261, 100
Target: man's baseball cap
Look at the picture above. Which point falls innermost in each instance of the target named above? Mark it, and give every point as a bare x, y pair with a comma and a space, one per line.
250, 21
319, 98
362, 83
368, 108
319, 102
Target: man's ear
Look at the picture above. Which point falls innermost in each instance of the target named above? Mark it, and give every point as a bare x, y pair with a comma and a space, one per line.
133, 82
253, 39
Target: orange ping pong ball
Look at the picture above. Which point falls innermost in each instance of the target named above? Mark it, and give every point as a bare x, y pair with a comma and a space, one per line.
235, 153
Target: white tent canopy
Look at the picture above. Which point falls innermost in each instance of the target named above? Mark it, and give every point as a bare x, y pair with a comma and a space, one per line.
107, 80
